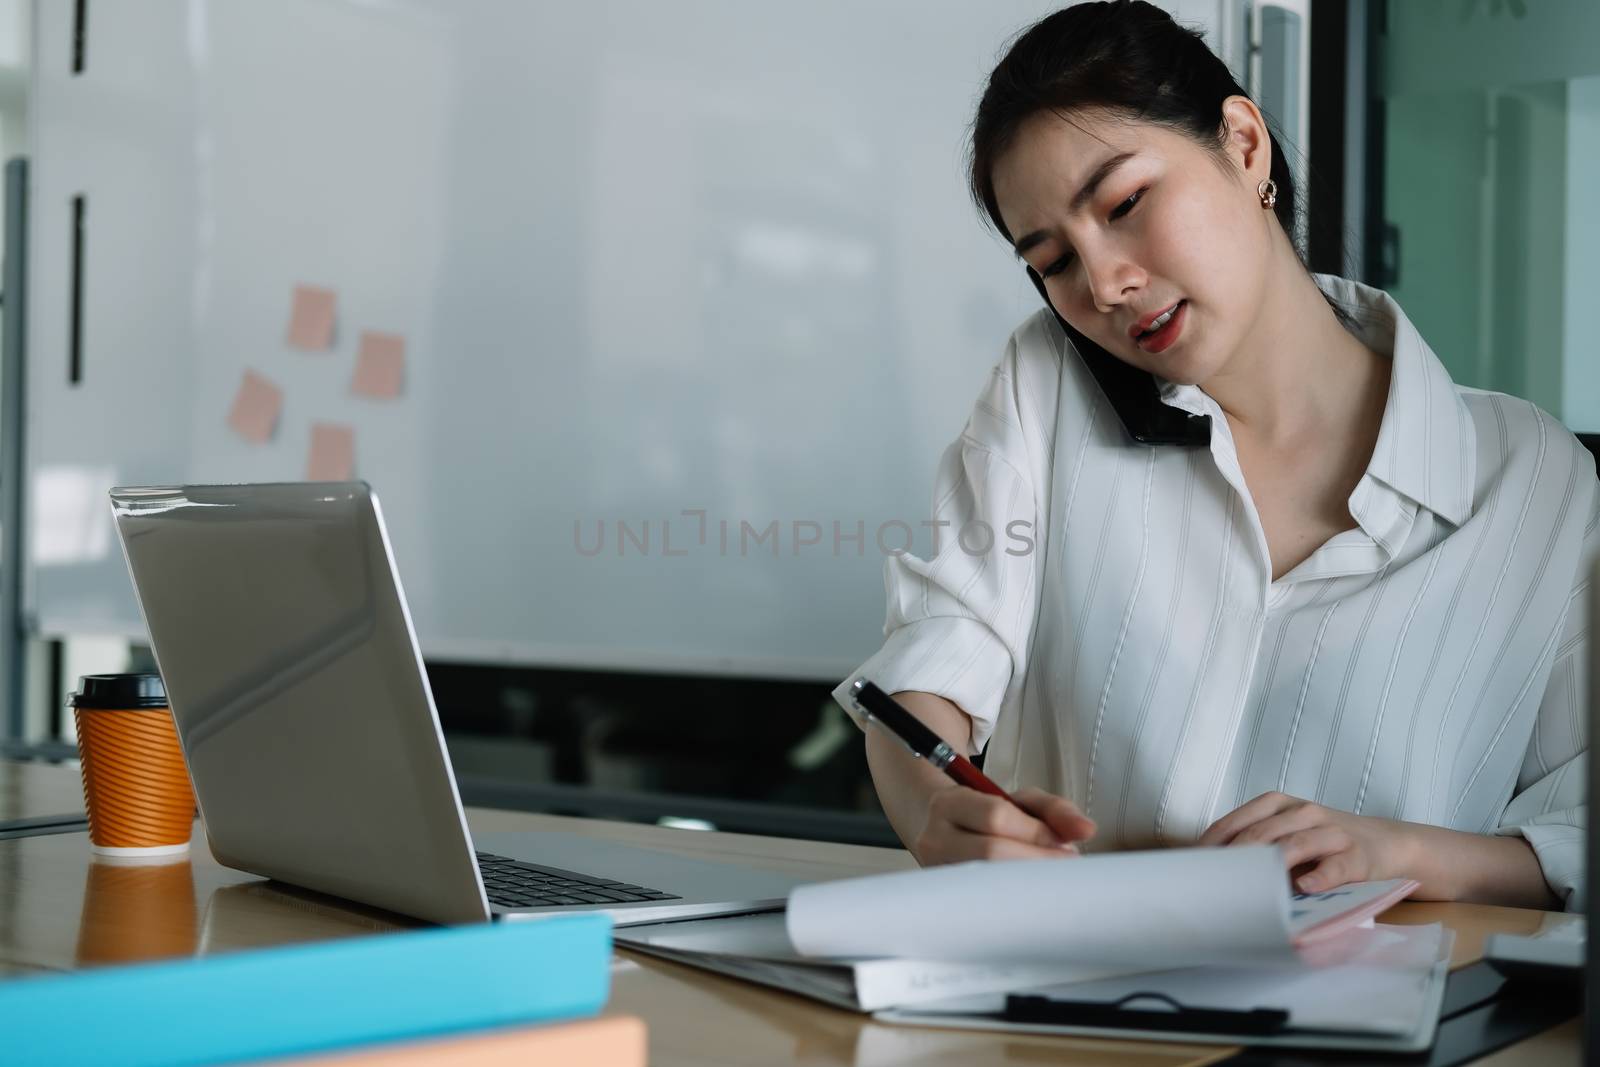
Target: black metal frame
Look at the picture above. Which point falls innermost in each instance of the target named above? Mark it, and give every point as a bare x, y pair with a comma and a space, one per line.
13, 396
1329, 52
1347, 128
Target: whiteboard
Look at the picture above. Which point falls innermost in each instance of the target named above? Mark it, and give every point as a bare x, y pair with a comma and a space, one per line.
689, 264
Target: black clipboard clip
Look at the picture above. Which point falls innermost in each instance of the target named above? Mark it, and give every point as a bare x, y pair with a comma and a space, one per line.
1114, 1014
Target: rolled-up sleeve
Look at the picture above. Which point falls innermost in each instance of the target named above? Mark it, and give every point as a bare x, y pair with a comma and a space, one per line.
1550, 807
958, 623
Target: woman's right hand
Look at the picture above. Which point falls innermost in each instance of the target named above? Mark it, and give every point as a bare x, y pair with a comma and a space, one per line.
963, 824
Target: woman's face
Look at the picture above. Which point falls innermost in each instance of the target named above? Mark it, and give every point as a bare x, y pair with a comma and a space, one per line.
1164, 225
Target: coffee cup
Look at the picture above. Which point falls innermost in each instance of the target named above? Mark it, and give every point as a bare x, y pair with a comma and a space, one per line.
136, 788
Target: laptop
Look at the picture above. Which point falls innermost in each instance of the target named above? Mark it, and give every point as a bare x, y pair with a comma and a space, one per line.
303, 708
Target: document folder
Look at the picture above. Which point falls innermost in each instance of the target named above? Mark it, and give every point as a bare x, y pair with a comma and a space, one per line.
306, 998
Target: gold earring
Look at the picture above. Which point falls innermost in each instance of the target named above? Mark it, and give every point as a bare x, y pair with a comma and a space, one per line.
1268, 191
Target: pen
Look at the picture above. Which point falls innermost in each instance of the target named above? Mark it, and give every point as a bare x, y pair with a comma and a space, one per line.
887, 712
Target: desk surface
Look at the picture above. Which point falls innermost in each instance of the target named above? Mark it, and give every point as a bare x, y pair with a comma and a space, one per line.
59, 910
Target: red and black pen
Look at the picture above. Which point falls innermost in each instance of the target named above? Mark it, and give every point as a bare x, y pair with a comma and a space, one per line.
889, 713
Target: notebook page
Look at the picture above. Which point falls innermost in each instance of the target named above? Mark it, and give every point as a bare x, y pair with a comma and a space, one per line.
1158, 910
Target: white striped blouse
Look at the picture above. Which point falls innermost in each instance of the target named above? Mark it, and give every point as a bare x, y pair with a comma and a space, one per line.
1126, 646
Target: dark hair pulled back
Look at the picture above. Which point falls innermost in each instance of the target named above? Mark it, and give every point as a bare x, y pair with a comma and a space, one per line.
1123, 56
1127, 58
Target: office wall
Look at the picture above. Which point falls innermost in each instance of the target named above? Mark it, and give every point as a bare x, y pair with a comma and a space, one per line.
653, 264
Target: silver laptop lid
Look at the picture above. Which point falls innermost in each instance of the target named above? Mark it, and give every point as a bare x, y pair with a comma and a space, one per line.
277, 619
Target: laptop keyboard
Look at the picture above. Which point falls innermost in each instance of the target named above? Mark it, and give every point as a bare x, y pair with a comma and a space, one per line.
515, 884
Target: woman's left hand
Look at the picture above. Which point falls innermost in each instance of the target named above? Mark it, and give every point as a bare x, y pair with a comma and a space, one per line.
1323, 848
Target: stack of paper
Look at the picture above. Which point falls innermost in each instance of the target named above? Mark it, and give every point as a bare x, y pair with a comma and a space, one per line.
1209, 928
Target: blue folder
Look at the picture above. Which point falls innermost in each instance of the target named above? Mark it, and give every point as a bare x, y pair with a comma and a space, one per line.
308, 998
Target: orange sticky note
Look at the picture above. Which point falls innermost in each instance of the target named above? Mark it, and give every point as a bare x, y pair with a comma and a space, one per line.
311, 318
333, 453
255, 408
380, 365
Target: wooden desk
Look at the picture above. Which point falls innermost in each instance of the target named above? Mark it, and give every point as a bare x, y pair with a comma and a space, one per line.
61, 910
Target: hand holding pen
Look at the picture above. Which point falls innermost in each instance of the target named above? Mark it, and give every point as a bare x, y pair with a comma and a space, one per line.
980, 821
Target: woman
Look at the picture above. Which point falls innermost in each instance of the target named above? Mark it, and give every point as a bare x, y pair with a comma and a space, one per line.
1284, 582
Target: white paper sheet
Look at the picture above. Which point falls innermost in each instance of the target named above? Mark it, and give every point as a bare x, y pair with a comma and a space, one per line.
1154, 910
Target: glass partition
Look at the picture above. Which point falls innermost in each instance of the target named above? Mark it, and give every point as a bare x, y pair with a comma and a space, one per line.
1491, 162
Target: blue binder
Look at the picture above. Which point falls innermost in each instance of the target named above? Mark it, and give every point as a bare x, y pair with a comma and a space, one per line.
308, 998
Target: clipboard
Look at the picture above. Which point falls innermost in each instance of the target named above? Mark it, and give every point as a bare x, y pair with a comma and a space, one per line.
1150, 1015
1123, 1014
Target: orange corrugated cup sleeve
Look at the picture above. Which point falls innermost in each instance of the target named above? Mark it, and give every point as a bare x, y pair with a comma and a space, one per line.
136, 788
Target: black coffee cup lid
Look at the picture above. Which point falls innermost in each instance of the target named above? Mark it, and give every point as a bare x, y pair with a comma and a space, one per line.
120, 691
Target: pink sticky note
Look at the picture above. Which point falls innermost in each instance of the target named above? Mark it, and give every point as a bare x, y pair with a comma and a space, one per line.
255, 408
311, 318
333, 453
380, 365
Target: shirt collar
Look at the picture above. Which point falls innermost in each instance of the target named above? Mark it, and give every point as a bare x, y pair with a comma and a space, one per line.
1425, 450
